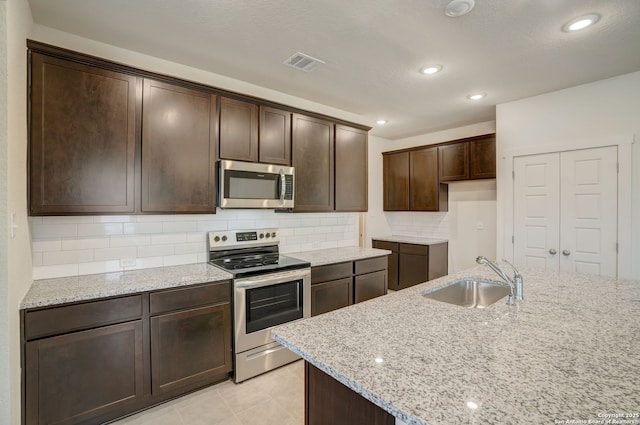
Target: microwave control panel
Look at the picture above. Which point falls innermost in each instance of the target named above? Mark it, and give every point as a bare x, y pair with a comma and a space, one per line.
288, 186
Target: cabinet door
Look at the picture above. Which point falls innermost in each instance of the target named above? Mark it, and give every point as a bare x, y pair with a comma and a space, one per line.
190, 348
82, 138
313, 159
423, 184
395, 181
454, 161
483, 158
351, 169
238, 130
330, 296
412, 265
81, 376
369, 286
275, 136
178, 149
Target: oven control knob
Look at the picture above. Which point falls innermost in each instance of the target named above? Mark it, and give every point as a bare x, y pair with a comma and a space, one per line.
216, 239
273, 235
268, 235
224, 238
262, 235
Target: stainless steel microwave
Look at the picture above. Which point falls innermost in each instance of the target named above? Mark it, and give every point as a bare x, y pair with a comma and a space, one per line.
252, 185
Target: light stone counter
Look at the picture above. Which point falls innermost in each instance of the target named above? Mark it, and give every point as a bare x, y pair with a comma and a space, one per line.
570, 351
338, 255
48, 292
410, 239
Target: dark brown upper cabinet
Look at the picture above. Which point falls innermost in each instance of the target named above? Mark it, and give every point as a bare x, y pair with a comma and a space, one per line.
410, 181
238, 130
468, 159
275, 136
424, 187
351, 169
395, 181
82, 144
313, 159
482, 151
178, 149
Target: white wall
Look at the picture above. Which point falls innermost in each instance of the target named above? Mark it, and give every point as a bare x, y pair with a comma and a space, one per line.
71, 246
470, 204
5, 411
16, 273
605, 112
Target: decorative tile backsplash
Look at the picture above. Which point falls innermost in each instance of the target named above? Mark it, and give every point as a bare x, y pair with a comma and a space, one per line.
419, 224
70, 246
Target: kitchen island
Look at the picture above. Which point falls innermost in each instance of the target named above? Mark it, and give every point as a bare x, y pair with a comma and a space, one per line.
569, 352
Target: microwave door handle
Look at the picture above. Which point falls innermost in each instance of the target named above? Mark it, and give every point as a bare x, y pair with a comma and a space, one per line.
283, 186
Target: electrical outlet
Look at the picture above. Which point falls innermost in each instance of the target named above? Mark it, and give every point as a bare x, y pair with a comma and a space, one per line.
128, 262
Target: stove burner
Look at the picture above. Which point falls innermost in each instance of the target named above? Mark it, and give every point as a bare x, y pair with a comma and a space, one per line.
246, 261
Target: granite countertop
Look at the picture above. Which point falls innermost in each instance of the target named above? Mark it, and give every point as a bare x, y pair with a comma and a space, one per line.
570, 351
410, 239
321, 257
48, 292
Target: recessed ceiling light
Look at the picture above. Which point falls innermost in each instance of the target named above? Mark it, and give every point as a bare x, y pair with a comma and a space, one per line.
459, 8
381, 122
582, 22
476, 96
430, 69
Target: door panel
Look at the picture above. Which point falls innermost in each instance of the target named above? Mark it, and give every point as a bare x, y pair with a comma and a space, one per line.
566, 202
536, 210
589, 211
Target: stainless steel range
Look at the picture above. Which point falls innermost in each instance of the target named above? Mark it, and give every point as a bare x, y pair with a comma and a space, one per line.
269, 289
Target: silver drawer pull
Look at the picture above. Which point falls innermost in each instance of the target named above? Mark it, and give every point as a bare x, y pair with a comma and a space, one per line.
566, 252
553, 251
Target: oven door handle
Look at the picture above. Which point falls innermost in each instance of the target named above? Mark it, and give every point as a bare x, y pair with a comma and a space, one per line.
271, 279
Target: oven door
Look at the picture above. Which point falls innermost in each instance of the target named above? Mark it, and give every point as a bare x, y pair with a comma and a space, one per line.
264, 301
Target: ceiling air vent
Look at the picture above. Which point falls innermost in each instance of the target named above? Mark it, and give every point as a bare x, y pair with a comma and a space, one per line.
303, 62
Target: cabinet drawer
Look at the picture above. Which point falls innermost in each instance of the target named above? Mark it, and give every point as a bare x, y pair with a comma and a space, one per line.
371, 265
331, 272
414, 249
58, 320
392, 246
177, 299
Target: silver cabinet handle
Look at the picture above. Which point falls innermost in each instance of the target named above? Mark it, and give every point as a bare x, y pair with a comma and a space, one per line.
283, 186
553, 251
566, 252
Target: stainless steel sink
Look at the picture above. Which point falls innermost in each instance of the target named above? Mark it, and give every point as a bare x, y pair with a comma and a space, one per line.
470, 292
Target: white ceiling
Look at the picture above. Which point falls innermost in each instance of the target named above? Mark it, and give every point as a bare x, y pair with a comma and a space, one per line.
373, 49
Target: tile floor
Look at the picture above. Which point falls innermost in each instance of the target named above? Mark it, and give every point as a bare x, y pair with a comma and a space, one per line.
274, 398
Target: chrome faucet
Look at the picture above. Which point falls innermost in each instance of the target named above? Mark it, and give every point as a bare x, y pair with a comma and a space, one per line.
515, 283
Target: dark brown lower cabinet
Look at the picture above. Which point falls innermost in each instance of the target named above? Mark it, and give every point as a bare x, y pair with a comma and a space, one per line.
84, 377
411, 264
95, 361
370, 285
332, 295
186, 348
339, 285
328, 401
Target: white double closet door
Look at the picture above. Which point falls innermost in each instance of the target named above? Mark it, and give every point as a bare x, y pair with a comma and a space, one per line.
566, 210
